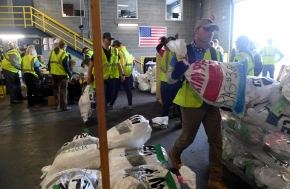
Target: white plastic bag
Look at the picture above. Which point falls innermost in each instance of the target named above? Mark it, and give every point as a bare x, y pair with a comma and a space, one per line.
188, 177
143, 83
132, 132
82, 152
87, 103
84, 178
124, 158
143, 177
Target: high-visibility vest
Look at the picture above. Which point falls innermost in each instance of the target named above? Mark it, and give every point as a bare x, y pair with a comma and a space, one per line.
107, 65
269, 54
113, 64
90, 53
27, 66
241, 56
186, 95
165, 65
55, 60
128, 61
7, 65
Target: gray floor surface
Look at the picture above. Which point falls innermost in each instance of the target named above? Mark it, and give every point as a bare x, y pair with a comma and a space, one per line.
30, 138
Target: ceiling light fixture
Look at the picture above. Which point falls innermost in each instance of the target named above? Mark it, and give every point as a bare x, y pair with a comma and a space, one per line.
12, 36
127, 24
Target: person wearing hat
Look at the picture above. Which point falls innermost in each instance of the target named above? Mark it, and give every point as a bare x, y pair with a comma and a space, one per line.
242, 46
11, 64
268, 54
194, 110
87, 52
111, 67
126, 61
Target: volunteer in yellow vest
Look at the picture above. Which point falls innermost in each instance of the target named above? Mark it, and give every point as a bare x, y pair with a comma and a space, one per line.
111, 67
258, 65
242, 46
41, 61
194, 110
268, 54
58, 67
234, 52
32, 74
168, 91
11, 64
88, 52
126, 61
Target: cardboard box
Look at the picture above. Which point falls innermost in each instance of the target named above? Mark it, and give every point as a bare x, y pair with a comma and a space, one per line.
50, 101
2, 91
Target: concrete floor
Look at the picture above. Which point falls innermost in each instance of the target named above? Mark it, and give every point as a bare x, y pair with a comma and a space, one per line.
30, 138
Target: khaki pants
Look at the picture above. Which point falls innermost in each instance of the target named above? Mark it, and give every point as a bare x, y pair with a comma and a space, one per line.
210, 117
59, 85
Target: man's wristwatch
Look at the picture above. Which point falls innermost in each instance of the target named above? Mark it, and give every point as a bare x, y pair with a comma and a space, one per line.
123, 74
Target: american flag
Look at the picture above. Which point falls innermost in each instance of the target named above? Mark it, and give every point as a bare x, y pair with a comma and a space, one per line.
149, 35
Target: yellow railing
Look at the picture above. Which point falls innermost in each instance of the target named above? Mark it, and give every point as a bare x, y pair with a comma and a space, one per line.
32, 17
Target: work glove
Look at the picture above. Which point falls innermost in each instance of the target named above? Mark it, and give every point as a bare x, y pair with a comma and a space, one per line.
179, 70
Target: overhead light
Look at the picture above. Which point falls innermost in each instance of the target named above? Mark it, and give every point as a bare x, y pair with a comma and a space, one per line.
123, 5
12, 36
127, 24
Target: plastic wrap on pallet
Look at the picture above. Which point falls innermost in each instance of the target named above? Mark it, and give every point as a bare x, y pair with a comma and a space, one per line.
278, 143
271, 178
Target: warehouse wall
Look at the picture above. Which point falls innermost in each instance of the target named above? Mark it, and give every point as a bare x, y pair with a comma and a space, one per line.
150, 13
221, 10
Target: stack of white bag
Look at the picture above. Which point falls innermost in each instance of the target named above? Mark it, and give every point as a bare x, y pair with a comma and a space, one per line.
133, 132
73, 179
147, 81
82, 152
144, 177
124, 158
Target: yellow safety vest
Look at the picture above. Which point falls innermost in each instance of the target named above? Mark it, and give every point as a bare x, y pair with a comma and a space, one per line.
55, 60
165, 64
107, 69
127, 64
243, 55
7, 65
113, 64
186, 96
28, 65
269, 54
90, 53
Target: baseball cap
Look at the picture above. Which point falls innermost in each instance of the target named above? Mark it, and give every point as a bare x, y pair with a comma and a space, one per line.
85, 48
116, 42
205, 23
108, 35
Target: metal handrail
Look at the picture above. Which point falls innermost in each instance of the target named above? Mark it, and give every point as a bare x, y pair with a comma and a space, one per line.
33, 16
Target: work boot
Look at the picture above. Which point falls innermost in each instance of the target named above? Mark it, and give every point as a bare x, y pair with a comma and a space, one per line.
216, 185
178, 124
110, 107
176, 162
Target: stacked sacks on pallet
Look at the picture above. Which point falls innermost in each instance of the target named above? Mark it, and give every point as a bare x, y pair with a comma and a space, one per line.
73, 178
75, 165
144, 177
147, 81
258, 142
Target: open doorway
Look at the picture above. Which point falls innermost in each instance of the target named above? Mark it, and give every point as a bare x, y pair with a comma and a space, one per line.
262, 19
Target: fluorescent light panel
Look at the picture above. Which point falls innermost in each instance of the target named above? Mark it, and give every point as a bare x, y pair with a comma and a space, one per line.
11, 36
123, 5
127, 24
